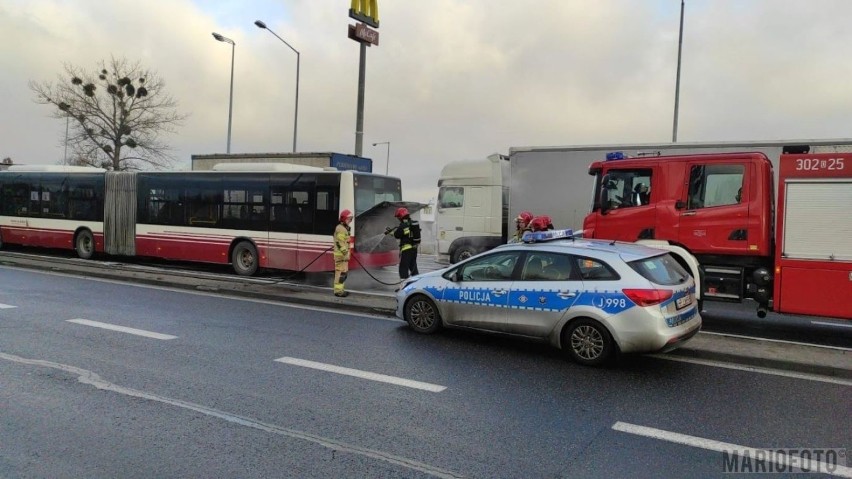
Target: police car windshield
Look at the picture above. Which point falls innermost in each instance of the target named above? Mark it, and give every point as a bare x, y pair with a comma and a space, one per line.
662, 270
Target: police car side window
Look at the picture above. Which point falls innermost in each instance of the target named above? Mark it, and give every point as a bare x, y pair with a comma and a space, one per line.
495, 267
595, 270
545, 266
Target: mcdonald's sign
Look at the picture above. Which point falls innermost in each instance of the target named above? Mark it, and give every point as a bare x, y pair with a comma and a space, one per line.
366, 11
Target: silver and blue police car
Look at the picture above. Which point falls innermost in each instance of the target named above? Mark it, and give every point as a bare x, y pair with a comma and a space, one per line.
590, 298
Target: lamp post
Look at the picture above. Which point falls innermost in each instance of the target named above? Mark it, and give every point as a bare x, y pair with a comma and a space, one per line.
65, 160
231, 96
677, 81
387, 158
262, 25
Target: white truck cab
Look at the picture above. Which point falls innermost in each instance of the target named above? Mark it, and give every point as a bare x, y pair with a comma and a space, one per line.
472, 207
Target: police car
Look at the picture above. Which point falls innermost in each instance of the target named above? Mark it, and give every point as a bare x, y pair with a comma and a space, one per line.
588, 297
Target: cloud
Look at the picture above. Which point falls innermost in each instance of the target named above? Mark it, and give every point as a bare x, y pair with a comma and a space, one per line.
451, 79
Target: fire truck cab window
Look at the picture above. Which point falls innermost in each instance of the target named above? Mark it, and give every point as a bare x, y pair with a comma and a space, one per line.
715, 185
628, 188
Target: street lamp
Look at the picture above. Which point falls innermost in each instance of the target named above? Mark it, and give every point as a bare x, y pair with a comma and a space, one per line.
387, 159
296, 116
677, 81
231, 97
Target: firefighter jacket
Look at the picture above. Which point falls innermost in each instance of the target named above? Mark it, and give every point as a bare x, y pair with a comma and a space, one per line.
341, 241
403, 233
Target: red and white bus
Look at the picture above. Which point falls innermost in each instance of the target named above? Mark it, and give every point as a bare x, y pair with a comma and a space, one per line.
276, 216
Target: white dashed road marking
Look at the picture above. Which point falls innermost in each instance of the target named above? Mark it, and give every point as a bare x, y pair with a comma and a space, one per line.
123, 329
362, 374
6, 306
711, 445
825, 323
755, 369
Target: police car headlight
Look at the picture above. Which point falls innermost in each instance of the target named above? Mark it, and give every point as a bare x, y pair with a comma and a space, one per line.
407, 282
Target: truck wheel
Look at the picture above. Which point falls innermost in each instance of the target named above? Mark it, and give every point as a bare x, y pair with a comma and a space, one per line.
244, 259
462, 253
587, 342
85, 244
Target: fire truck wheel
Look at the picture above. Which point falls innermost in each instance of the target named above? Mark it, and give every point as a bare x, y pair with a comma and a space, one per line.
244, 259
84, 244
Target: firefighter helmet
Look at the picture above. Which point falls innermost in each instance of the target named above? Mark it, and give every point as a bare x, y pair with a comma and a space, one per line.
345, 214
541, 223
401, 213
524, 218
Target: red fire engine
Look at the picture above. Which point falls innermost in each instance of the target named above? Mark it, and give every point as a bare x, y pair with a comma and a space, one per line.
791, 257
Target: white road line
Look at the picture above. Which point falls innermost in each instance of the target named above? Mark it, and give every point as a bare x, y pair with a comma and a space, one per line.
362, 374
112, 327
6, 306
782, 341
711, 445
755, 369
826, 323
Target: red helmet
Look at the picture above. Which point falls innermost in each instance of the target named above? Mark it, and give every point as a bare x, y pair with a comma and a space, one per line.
345, 214
524, 218
540, 223
401, 213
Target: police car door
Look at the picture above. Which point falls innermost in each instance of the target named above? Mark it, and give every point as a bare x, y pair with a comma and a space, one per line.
547, 286
479, 295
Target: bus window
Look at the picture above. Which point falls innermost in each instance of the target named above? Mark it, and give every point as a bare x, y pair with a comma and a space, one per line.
372, 190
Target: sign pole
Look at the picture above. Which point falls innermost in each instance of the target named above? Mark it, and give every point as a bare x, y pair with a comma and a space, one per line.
359, 122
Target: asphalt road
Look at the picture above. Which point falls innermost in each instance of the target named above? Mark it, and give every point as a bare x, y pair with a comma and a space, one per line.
206, 386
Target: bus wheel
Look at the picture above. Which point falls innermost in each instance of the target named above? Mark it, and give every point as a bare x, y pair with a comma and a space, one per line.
85, 244
244, 259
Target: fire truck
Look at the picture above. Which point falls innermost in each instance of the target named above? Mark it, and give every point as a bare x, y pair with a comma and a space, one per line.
719, 215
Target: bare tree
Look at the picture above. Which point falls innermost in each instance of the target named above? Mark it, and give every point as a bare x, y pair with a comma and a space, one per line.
117, 115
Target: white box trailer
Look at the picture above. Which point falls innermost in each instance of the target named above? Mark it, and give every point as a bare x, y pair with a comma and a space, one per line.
554, 181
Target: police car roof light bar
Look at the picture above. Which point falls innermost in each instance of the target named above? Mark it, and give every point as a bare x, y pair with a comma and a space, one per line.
550, 235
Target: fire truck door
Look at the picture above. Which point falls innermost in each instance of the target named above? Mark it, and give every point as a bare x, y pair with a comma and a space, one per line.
631, 212
713, 208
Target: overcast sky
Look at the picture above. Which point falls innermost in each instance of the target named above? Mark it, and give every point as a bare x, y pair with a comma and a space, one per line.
451, 79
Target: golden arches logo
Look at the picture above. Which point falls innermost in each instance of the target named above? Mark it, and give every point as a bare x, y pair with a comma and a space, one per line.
366, 11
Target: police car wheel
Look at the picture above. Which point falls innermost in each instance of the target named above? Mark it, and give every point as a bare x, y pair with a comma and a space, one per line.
422, 315
587, 342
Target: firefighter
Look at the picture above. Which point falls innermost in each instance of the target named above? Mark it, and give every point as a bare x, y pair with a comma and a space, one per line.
541, 223
522, 225
341, 253
408, 234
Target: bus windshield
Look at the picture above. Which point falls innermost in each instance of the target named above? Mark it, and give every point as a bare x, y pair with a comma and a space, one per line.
372, 190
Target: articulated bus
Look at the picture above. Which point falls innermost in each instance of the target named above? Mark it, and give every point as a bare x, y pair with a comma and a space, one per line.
276, 216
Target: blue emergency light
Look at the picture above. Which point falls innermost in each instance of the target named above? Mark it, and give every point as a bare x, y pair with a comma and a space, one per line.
549, 235
615, 155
